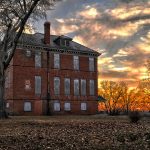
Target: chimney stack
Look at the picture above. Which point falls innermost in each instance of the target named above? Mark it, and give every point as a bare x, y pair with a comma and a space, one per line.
47, 33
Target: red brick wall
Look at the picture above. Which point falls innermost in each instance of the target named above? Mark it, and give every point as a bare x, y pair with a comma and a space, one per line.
24, 69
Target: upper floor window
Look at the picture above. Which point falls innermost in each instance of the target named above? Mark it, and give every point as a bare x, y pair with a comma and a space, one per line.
76, 62
28, 53
67, 86
38, 59
37, 85
27, 85
83, 87
56, 61
7, 80
56, 85
91, 64
76, 87
92, 87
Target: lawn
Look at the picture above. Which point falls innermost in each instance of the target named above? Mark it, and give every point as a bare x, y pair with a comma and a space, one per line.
74, 132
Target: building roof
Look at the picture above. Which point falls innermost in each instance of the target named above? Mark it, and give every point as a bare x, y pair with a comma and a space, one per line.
37, 39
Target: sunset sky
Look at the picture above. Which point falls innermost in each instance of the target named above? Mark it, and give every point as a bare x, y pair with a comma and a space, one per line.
119, 30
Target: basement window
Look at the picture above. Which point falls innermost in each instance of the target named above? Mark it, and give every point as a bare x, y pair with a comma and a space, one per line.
27, 106
67, 106
83, 106
56, 106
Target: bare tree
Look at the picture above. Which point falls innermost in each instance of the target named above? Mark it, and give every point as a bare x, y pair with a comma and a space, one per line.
14, 15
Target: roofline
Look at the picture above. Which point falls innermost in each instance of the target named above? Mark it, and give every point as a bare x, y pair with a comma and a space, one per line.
94, 53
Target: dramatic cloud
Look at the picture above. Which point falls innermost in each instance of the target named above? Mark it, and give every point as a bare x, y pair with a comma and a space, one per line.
121, 31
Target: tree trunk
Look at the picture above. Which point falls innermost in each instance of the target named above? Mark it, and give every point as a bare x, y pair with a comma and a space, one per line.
3, 113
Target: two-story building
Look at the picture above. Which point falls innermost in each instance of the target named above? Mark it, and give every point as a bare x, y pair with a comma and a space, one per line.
51, 74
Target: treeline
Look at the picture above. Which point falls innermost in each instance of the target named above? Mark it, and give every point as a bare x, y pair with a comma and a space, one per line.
120, 98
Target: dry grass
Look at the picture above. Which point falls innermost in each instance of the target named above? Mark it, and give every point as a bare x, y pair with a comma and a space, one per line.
74, 132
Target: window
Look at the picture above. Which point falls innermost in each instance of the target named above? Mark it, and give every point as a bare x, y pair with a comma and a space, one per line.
76, 62
56, 85
83, 87
91, 64
67, 86
83, 106
67, 43
56, 106
27, 84
63, 42
56, 61
7, 80
28, 53
67, 106
38, 59
76, 87
27, 106
92, 87
37, 85
7, 105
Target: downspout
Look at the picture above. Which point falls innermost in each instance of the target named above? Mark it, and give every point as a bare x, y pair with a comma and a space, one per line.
48, 85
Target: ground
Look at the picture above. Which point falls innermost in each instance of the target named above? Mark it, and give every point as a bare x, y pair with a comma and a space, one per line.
74, 133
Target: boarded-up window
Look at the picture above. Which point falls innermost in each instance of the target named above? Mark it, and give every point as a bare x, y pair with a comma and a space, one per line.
83, 106
76, 87
56, 85
37, 84
38, 59
27, 106
56, 61
67, 106
27, 85
56, 106
92, 87
67, 86
91, 64
76, 62
83, 87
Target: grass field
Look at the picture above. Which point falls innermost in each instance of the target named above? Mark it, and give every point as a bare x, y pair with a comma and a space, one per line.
74, 132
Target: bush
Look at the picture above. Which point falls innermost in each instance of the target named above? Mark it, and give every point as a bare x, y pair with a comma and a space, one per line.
134, 116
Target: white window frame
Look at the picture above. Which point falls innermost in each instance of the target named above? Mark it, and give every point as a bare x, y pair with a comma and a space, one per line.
27, 106
57, 61
83, 106
76, 62
57, 87
91, 64
67, 106
38, 62
38, 85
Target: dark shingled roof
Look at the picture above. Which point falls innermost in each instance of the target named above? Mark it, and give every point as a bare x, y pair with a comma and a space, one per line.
37, 39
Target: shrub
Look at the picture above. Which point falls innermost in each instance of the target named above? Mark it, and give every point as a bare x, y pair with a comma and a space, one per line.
134, 116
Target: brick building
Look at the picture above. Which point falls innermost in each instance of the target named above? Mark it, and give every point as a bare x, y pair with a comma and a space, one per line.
51, 74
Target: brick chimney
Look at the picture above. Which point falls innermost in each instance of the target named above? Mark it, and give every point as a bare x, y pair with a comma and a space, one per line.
47, 33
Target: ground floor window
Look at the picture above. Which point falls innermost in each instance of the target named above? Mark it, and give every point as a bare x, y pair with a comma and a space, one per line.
83, 106
67, 106
27, 106
56, 106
